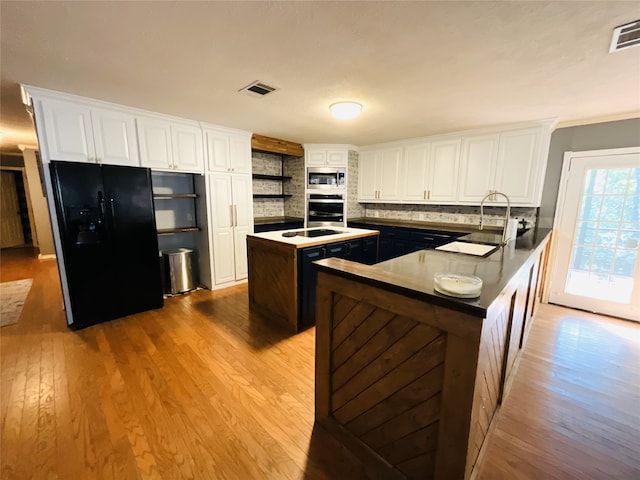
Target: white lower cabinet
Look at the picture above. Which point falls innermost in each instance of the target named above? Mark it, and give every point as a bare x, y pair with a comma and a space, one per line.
230, 220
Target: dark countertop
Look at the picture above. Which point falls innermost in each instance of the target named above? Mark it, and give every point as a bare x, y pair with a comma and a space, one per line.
412, 274
274, 220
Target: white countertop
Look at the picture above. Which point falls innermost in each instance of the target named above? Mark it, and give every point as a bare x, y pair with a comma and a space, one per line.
301, 242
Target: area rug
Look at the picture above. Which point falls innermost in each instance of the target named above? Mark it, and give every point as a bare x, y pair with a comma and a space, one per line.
12, 297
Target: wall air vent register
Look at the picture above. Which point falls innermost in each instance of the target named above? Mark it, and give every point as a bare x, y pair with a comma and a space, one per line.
258, 88
625, 36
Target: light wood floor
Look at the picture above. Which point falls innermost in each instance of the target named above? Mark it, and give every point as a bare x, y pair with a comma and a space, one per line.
203, 389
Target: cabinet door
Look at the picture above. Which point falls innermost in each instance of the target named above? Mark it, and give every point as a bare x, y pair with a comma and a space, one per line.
240, 154
337, 157
186, 142
517, 170
154, 136
222, 232
243, 221
367, 176
477, 167
115, 138
316, 157
416, 167
443, 171
217, 145
307, 284
389, 174
68, 131
370, 250
354, 250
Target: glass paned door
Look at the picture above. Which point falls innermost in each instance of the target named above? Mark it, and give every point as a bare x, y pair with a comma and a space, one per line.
596, 266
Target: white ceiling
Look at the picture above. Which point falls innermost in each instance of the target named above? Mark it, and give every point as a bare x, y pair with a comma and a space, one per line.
419, 68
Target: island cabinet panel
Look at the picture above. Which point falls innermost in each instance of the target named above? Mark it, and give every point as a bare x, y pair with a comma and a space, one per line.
282, 278
273, 280
412, 383
394, 378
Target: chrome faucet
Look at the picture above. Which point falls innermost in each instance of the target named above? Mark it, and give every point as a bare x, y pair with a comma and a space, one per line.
506, 217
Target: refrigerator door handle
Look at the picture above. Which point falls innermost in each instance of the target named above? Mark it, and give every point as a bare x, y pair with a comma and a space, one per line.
101, 206
113, 210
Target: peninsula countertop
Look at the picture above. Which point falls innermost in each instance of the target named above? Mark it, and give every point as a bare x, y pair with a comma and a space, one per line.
301, 241
413, 274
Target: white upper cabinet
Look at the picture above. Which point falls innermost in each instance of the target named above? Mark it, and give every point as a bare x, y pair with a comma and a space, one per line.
379, 175
76, 132
520, 170
188, 152
511, 162
114, 134
477, 167
155, 143
167, 145
227, 152
431, 172
326, 156
459, 168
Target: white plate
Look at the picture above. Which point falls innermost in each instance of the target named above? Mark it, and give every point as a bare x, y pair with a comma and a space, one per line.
457, 285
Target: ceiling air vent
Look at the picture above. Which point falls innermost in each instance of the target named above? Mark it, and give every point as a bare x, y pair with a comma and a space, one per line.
625, 36
258, 88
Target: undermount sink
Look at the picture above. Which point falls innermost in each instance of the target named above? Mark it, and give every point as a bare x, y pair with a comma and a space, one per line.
477, 249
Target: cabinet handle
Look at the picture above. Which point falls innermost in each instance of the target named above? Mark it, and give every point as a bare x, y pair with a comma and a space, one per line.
428, 194
235, 215
424, 194
324, 252
231, 215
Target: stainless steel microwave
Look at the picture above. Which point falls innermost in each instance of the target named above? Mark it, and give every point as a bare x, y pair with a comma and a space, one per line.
326, 177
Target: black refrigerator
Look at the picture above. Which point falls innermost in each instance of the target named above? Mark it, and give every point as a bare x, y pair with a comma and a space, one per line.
109, 242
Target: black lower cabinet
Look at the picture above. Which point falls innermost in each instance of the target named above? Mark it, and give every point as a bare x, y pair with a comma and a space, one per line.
353, 250
397, 241
307, 284
370, 250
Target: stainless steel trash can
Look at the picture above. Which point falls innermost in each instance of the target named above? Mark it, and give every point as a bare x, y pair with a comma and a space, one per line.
177, 270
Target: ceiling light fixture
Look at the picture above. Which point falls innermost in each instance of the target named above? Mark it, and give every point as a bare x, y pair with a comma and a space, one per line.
345, 110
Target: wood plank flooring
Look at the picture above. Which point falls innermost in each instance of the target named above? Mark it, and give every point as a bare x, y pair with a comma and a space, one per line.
204, 389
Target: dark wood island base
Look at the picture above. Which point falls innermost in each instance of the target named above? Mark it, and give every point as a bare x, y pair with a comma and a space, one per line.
410, 380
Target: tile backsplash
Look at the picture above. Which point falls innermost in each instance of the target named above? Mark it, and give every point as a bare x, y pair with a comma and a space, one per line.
354, 209
274, 164
468, 215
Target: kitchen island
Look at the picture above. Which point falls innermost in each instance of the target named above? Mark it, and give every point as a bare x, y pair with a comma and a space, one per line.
410, 379
281, 279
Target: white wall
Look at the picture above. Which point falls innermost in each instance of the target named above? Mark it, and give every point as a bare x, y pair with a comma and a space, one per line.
42, 237
599, 136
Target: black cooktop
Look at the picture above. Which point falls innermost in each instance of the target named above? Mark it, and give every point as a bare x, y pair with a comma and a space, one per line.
320, 232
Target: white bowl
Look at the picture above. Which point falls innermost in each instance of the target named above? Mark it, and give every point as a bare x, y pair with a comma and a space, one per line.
457, 285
